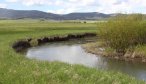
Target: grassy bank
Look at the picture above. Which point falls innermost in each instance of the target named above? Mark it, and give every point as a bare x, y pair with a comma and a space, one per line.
125, 36
16, 68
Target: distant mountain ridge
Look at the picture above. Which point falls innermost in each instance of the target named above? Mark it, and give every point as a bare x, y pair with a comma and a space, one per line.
18, 14
34, 14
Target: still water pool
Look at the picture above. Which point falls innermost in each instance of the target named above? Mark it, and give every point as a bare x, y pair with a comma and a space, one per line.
71, 52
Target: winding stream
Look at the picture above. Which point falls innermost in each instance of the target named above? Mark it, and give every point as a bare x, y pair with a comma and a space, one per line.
71, 52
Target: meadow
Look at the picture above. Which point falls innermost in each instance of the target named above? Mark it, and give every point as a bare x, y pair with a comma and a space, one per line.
15, 68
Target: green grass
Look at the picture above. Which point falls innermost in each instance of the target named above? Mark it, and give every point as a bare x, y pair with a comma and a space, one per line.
17, 69
140, 50
123, 32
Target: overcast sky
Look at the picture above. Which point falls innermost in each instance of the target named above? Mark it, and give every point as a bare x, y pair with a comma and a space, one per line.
68, 6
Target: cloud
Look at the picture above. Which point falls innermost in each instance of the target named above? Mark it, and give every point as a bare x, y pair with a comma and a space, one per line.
104, 6
2, 5
11, 0
69, 6
64, 11
36, 2
122, 6
56, 2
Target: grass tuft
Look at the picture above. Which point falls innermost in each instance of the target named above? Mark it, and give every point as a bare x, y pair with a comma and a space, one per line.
123, 32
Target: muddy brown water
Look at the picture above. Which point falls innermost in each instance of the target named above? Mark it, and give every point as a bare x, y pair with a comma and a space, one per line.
71, 52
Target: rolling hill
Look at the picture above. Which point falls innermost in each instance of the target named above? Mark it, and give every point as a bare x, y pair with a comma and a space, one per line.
34, 14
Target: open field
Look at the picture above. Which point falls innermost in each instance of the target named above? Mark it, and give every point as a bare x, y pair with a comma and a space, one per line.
16, 69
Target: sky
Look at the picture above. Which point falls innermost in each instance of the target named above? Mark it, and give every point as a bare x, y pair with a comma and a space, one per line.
69, 6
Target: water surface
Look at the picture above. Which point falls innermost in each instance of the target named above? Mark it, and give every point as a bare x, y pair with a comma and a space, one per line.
72, 53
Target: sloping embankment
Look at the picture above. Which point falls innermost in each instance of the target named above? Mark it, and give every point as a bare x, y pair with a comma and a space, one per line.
132, 56
20, 45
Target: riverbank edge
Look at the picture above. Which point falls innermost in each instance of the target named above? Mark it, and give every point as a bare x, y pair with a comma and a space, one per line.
132, 56
24, 44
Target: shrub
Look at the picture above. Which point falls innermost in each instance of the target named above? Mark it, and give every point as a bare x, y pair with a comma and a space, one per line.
123, 31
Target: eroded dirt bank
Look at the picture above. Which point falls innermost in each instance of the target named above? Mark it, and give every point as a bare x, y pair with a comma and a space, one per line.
102, 51
21, 45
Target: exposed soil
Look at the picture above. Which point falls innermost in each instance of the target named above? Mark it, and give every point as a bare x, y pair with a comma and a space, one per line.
128, 56
21, 45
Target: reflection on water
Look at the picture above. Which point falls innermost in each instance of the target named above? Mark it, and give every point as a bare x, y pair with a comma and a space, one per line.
74, 54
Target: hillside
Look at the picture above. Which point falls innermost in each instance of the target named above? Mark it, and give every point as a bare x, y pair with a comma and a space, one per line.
34, 14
